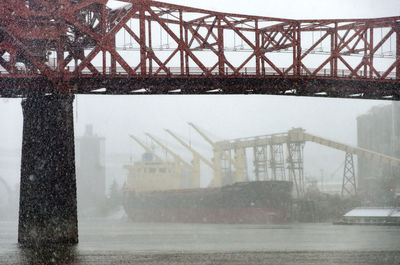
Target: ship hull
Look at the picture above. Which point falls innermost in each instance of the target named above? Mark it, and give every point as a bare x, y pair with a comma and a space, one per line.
262, 202
209, 215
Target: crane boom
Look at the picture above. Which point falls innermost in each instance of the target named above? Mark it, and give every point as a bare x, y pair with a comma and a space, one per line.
299, 135
202, 134
148, 149
215, 146
176, 156
202, 158
392, 161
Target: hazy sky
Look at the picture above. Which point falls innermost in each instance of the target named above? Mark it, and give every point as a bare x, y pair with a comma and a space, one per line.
297, 9
115, 117
222, 117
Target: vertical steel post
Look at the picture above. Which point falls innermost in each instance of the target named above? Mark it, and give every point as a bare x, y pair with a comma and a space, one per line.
371, 52
220, 41
298, 50
333, 61
335, 58
60, 57
240, 164
113, 59
142, 25
277, 162
272, 163
150, 47
294, 47
365, 58
258, 57
196, 170
60, 48
181, 36
104, 62
260, 162
226, 168
296, 165
291, 169
217, 161
186, 53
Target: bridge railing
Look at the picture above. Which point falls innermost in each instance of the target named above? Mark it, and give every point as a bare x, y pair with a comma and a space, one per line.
246, 72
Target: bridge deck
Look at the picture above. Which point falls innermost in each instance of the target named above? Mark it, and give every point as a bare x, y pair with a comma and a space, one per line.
199, 84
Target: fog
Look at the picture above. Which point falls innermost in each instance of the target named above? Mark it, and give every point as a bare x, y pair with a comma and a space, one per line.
164, 223
291, 9
220, 117
223, 117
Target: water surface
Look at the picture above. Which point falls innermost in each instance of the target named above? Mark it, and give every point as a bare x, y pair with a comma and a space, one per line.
124, 242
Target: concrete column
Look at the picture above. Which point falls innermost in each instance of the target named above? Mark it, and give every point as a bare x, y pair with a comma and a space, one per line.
48, 207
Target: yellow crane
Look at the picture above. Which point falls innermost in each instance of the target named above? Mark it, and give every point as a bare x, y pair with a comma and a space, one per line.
176, 156
202, 158
238, 162
196, 157
181, 165
145, 147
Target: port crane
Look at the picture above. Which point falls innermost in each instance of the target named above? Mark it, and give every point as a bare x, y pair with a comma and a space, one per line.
148, 149
239, 162
295, 140
169, 151
197, 157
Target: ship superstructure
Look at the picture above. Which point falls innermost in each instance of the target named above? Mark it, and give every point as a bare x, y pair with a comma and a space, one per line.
150, 174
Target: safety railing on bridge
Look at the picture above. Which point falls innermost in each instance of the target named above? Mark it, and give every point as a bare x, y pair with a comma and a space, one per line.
196, 71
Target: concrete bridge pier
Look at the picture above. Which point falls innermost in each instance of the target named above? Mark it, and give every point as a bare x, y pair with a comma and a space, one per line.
48, 205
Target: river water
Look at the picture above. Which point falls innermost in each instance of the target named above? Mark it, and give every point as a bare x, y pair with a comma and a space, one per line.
124, 242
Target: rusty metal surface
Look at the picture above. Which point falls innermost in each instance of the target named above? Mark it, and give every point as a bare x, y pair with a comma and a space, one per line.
80, 46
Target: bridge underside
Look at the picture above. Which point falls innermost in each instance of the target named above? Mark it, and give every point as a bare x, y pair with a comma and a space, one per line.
273, 85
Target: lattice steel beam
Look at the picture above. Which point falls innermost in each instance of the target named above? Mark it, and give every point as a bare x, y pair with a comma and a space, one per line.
71, 47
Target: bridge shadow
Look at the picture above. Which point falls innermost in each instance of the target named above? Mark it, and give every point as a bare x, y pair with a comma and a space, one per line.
59, 254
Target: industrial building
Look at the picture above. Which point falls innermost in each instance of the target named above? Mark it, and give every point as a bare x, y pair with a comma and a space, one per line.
379, 131
90, 172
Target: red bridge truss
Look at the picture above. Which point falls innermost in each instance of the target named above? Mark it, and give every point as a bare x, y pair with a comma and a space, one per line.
87, 46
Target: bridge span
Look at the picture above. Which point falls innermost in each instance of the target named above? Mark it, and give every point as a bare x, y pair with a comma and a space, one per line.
51, 50
83, 46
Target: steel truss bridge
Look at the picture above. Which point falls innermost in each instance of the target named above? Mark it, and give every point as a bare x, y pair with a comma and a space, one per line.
87, 47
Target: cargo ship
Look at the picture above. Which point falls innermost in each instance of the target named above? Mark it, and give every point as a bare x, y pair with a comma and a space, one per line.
159, 191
